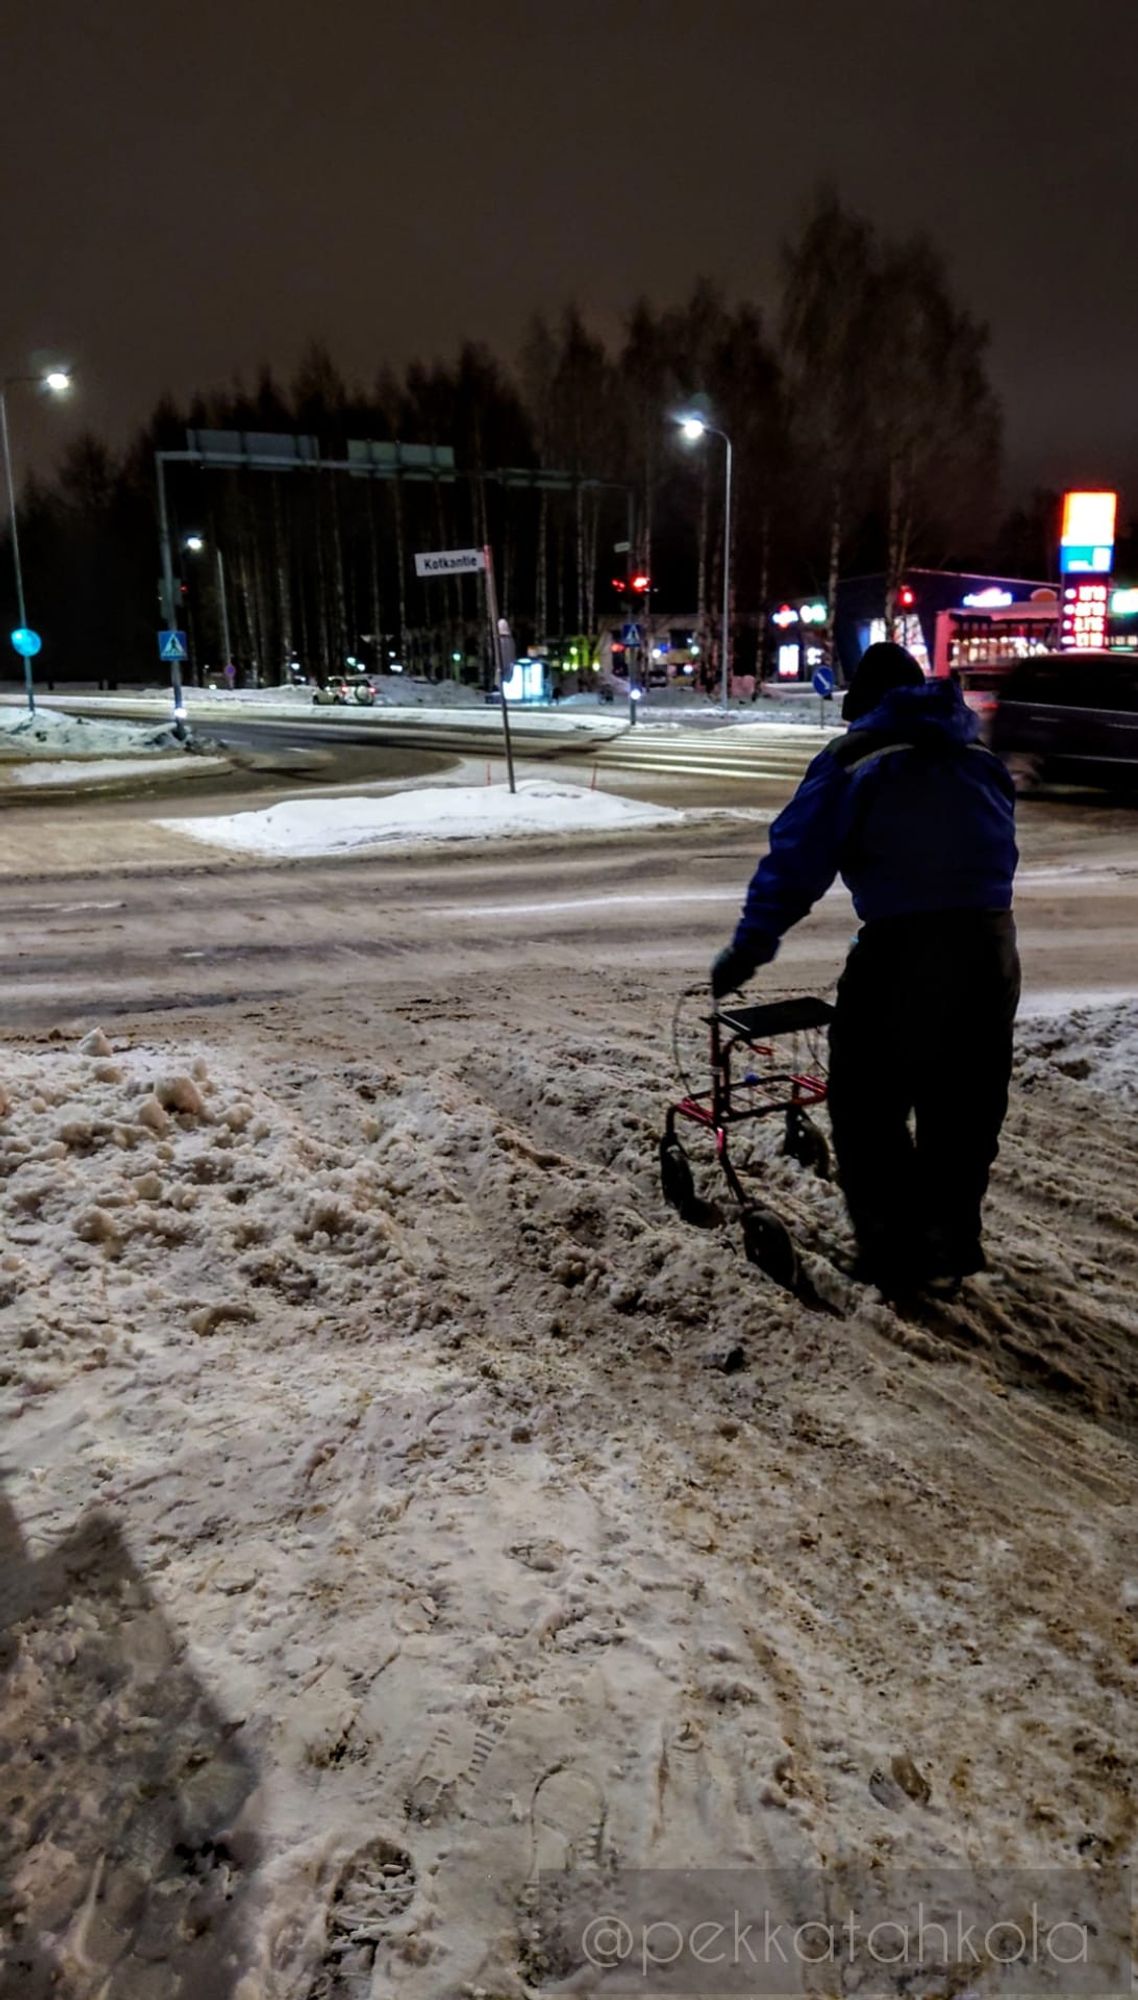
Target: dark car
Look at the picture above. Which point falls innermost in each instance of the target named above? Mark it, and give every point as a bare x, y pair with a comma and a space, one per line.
1069, 716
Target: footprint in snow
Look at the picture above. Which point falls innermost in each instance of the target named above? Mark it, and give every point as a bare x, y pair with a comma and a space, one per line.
568, 1813
373, 1889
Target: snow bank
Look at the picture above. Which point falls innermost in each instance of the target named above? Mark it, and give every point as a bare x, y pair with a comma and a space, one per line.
1092, 1044
443, 812
86, 774
50, 733
395, 690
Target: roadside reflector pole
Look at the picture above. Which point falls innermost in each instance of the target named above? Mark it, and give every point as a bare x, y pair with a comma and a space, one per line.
492, 614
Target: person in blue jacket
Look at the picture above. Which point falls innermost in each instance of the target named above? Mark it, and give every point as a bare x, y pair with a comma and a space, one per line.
919, 820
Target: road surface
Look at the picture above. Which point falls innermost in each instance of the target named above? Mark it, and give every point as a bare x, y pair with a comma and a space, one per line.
224, 934
705, 764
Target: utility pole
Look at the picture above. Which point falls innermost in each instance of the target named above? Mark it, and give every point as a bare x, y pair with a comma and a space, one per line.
223, 607
26, 642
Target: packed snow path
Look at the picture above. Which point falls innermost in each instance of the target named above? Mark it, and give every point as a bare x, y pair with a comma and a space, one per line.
400, 1501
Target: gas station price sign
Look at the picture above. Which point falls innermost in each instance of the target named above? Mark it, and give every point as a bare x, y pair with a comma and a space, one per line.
1086, 557
1086, 542
1085, 607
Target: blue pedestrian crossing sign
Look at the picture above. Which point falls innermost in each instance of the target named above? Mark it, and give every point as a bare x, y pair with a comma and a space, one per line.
172, 646
823, 682
630, 635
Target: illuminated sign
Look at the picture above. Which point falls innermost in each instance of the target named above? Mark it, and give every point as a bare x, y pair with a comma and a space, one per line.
526, 682
1086, 544
988, 600
1089, 517
784, 616
1083, 626
788, 663
1124, 603
813, 614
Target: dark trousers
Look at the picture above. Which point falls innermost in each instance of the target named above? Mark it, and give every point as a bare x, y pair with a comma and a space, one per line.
920, 1058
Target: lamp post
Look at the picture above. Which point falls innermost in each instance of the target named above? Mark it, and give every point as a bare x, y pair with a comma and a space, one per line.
196, 545
57, 382
693, 427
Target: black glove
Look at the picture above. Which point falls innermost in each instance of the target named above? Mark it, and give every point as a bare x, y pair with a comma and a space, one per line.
729, 971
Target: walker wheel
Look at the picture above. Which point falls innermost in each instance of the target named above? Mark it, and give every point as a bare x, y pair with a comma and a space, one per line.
676, 1179
804, 1143
767, 1244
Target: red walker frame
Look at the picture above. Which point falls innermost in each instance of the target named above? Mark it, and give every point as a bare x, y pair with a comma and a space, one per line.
792, 1091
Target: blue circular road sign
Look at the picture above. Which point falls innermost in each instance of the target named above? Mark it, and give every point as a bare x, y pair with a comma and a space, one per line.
823, 682
26, 642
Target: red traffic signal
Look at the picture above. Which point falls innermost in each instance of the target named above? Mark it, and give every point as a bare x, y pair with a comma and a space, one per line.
641, 581
618, 583
906, 597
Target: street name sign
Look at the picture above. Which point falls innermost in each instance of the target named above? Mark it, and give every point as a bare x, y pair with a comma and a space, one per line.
450, 562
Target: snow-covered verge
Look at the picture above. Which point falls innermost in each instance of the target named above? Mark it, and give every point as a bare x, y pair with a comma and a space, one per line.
87, 774
441, 812
50, 733
402, 1502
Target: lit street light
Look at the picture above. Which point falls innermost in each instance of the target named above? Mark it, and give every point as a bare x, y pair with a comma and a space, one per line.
693, 428
195, 544
25, 641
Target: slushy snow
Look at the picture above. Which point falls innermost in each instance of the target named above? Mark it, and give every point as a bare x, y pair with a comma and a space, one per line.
402, 1505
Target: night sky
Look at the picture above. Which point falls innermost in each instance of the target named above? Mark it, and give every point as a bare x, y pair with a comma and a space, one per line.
192, 189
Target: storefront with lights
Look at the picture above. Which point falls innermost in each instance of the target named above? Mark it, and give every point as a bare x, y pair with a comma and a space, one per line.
952, 620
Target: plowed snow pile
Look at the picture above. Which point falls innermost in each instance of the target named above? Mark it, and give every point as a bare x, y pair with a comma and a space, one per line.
402, 1502
441, 812
50, 733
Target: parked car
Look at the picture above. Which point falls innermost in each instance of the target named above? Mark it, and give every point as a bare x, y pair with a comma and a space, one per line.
1069, 716
340, 689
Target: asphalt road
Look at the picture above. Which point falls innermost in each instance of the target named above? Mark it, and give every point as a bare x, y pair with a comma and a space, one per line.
101, 918
394, 929
663, 761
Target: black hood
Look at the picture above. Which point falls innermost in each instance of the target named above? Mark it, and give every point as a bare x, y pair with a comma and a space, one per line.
881, 669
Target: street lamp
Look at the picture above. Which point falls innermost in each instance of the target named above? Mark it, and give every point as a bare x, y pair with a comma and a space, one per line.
195, 545
26, 642
694, 427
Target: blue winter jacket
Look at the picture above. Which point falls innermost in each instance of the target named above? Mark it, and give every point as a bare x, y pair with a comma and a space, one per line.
911, 810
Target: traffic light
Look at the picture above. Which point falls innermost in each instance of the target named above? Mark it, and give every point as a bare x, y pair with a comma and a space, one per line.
906, 597
641, 581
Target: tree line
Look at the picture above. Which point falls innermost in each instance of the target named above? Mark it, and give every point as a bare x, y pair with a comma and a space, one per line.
866, 437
